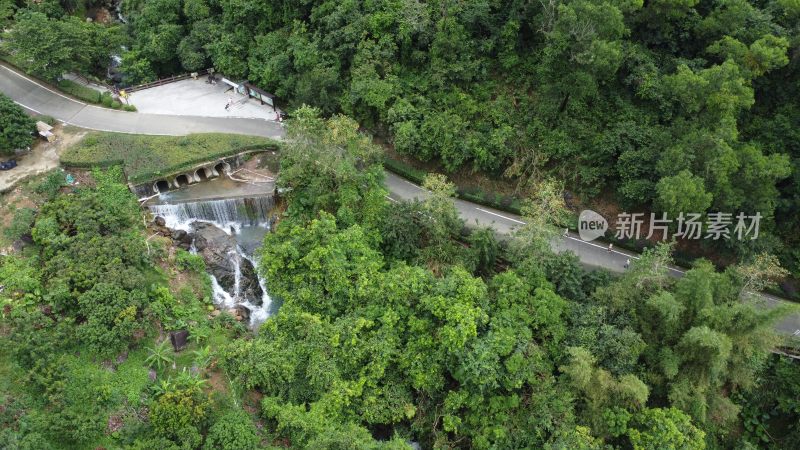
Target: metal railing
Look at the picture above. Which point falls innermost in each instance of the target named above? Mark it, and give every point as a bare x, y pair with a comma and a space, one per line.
164, 81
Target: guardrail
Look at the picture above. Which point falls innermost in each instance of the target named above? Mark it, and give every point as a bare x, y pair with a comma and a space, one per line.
164, 81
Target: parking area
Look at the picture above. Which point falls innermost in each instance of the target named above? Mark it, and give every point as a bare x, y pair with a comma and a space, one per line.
199, 98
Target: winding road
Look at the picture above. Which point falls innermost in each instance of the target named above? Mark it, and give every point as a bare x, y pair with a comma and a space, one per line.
40, 99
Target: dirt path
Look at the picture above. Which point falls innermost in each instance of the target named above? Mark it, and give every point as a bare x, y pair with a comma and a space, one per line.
42, 158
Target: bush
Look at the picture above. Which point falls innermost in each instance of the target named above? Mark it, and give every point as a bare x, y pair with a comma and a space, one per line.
233, 431
79, 91
21, 224
106, 99
404, 170
51, 184
116, 105
130, 108
47, 119
15, 127
188, 261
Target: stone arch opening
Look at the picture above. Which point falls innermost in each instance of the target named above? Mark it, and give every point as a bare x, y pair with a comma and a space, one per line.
182, 180
201, 174
162, 186
221, 168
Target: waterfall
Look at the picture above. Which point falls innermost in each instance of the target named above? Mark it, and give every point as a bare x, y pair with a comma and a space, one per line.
231, 215
258, 313
227, 214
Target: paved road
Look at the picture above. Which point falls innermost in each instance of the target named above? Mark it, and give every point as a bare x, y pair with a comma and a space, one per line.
40, 99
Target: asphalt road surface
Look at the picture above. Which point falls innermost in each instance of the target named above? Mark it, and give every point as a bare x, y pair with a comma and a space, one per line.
40, 99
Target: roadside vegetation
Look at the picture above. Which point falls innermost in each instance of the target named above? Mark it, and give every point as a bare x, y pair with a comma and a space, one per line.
16, 127
144, 158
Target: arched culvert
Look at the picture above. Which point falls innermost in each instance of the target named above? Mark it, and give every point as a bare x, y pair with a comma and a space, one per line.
182, 180
221, 168
201, 174
162, 186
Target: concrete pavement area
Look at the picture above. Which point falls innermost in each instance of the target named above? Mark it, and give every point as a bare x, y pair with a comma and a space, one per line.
198, 98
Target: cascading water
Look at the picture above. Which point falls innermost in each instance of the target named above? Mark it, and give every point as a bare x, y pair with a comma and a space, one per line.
246, 219
224, 213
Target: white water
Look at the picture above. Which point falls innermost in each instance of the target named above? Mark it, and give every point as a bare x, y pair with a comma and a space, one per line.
226, 214
231, 216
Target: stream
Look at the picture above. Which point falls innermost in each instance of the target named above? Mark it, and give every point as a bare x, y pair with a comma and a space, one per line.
225, 222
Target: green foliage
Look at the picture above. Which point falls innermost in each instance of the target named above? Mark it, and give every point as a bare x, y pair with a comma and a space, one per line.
232, 431
21, 224
15, 127
79, 91
146, 157
51, 184
667, 429
682, 193
359, 342
188, 261
50, 47
331, 166
179, 415
641, 102
160, 355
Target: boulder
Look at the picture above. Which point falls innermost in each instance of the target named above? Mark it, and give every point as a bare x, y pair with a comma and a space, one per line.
159, 221
241, 313
225, 262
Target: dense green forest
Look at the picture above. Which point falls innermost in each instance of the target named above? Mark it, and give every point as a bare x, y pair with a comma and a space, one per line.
670, 105
663, 105
391, 330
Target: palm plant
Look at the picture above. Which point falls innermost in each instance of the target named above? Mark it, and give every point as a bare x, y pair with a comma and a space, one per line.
202, 357
189, 381
199, 334
159, 355
163, 386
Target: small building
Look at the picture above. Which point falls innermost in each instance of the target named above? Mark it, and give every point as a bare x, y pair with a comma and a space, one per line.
245, 88
45, 131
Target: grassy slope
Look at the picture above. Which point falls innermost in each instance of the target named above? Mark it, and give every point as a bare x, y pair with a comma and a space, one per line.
147, 157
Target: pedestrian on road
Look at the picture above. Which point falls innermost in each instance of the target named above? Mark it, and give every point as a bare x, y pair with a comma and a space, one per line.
610, 248
566, 232
229, 104
627, 263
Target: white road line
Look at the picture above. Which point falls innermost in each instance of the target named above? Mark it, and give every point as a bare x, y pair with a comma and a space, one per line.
391, 199
42, 86
618, 252
501, 216
29, 108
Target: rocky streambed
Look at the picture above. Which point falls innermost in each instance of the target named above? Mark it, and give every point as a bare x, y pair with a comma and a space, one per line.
235, 281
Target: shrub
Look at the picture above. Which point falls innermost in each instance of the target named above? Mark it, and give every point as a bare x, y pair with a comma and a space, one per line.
21, 224
179, 415
233, 431
188, 261
51, 184
47, 119
130, 108
79, 91
116, 105
106, 99
15, 127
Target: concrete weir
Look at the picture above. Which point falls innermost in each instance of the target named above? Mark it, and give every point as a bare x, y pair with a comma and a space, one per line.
201, 172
